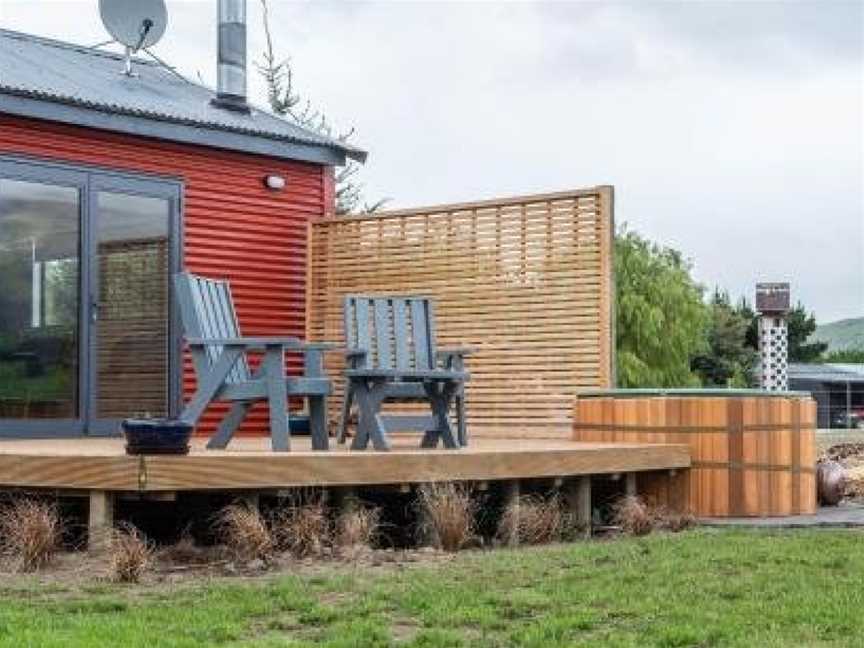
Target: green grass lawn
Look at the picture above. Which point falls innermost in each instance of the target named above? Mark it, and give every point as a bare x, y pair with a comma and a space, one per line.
701, 588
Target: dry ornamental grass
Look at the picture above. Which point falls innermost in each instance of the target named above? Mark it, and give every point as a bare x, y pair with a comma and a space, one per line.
185, 552
30, 533
245, 533
358, 528
448, 511
670, 520
130, 554
633, 516
533, 519
303, 528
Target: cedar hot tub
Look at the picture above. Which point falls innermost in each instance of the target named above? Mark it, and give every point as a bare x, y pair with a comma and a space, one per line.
753, 452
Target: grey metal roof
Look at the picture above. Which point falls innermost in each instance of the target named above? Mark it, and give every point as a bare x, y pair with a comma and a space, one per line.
50, 79
835, 372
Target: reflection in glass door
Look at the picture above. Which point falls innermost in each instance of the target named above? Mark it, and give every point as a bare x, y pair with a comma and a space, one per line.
40, 239
131, 313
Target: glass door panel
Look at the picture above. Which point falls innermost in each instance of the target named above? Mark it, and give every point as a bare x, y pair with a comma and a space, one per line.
87, 335
40, 238
131, 312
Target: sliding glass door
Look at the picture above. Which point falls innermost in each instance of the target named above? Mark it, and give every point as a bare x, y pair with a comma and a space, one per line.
86, 323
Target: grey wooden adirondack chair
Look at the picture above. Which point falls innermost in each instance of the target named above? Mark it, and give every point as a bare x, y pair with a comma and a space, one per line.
223, 372
392, 355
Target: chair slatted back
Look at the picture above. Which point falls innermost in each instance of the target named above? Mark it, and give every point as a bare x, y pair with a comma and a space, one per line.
207, 312
397, 332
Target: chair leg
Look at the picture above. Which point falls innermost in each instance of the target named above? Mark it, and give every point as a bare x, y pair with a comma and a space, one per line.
430, 437
347, 401
361, 437
318, 422
462, 423
277, 399
229, 425
440, 399
369, 424
208, 386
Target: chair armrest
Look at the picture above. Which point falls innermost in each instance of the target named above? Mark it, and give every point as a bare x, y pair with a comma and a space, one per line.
448, 352
453, 358
354, 358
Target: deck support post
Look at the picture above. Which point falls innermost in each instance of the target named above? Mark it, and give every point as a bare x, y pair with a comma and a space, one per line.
630, 484
577, 496
512, 496
100, 520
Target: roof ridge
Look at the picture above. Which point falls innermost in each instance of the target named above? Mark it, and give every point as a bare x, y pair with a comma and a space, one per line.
59, 44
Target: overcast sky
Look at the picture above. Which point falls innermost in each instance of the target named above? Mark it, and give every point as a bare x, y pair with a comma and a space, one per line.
732, 131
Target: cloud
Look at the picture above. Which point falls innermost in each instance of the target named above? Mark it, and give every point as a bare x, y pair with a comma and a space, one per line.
731, 130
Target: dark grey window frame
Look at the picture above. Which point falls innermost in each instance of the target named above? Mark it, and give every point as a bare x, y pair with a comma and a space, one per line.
90, 179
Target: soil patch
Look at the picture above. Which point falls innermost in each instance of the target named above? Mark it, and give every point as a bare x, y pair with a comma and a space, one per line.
73, 571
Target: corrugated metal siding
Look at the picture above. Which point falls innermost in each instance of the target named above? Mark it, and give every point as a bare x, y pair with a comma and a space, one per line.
234, 228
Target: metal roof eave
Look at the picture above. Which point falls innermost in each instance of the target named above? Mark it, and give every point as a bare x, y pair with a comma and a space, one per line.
174, 132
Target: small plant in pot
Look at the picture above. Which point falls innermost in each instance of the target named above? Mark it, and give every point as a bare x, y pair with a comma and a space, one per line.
146, 435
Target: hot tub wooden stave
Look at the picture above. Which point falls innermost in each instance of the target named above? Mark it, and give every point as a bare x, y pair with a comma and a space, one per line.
753, 454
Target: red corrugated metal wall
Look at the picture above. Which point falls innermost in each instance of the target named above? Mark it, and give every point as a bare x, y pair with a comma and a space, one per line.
234, 228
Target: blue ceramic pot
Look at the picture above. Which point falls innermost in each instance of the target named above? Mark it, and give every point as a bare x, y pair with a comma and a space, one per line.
156, 436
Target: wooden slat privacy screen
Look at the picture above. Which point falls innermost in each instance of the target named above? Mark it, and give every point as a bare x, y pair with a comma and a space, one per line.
526, 281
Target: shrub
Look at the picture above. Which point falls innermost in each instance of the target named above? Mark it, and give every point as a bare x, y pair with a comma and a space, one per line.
245, 533
30, 533
448, 513
533, 519
303, 527
130, 554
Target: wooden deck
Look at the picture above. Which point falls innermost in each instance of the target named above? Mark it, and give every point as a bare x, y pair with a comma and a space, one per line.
248, 464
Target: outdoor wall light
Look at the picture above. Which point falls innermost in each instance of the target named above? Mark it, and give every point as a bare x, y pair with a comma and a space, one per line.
274, 182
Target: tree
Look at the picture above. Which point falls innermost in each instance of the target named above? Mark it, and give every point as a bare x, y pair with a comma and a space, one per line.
729, 361
801, 326
285, 100
745, 310
661, 318
852, 356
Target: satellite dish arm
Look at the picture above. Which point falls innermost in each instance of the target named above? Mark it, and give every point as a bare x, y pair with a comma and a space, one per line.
146, 26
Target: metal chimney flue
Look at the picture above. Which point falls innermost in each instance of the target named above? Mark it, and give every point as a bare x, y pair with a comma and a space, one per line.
231, 44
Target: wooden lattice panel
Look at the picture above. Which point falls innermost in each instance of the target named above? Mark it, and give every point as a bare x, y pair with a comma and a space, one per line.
526, 281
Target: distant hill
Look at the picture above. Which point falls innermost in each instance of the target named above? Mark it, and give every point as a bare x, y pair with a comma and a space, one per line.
842, 334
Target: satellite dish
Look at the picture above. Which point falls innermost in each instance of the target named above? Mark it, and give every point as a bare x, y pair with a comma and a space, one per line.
137, 24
